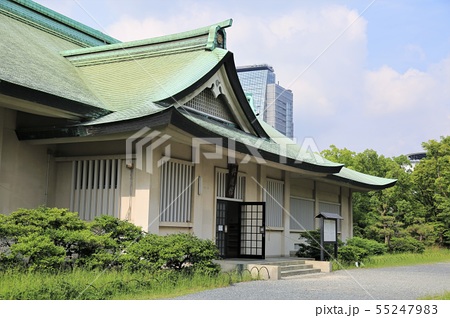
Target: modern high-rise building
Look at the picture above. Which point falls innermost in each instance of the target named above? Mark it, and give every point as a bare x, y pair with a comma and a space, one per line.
268, 99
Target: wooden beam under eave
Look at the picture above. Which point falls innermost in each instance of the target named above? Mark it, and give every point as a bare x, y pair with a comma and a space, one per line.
35, 108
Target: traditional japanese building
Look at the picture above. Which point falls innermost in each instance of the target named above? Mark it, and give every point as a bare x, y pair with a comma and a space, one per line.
158, 132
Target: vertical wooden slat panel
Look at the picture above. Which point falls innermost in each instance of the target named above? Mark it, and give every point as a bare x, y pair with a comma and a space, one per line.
172, 203
176, 196
274, 203
176, 192
106, 187
190, 177
163, 193
112, 188
168, 180
94, 192
183, 190
87, 203
174, 179
83, 190
117, 190
179, 194
101, 183
95, 187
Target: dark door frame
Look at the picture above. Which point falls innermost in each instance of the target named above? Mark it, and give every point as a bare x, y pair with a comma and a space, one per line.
240, 229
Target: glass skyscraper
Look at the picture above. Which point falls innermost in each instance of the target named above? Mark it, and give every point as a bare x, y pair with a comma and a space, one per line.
268, 99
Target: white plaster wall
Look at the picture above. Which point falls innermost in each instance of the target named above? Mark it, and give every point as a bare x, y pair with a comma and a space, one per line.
63, 184
274, 243
23, 169
303, 188
204, 199
328, 192
145, 196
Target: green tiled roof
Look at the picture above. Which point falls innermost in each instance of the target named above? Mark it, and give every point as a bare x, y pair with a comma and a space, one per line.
274, 146
362, 180
344, 175
137, 73
46, 52
52, 22
30, 58
135, 82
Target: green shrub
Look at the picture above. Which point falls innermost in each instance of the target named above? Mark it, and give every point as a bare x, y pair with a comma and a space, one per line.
37, 252
351, 253
371, 246
122, 232
59, 238
406, 244
180, 252
357, 249
42, 219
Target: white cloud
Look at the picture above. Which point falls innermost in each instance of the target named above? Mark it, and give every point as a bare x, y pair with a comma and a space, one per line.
414, 52
388, 92
337, 100
189, 17
317, 52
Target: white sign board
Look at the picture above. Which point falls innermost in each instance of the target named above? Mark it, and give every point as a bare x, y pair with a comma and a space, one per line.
329, 233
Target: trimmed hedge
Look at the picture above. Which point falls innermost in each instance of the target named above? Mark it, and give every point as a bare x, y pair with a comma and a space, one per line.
51, 239
406, 244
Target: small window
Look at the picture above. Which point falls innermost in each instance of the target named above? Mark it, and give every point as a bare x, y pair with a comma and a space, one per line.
302, 214
274, 203
221, 181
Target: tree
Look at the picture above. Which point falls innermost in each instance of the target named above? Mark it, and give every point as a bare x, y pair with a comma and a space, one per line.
432, 184
381, 215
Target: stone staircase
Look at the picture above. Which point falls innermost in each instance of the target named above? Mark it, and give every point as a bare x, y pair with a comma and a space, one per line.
284, 269
294, 268
276, 268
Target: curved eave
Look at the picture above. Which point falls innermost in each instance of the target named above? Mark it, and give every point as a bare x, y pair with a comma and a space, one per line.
52, 134
230, 68
167, 116
182, 122
61, 105
360, 181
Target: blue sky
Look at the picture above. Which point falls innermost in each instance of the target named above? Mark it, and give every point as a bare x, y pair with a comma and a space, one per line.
365, 74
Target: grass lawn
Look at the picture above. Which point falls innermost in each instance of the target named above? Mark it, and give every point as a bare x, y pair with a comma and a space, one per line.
431, 255
83, 285
444, 296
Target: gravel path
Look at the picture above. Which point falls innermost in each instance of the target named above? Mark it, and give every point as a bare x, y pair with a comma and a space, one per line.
393, 283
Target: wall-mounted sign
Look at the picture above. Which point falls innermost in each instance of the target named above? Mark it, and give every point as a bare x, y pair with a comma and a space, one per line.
231, 180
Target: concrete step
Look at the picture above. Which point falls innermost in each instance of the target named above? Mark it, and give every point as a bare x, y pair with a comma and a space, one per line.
294, 267
286, 263
298, 272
